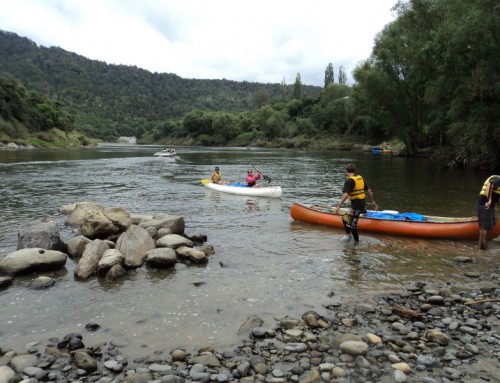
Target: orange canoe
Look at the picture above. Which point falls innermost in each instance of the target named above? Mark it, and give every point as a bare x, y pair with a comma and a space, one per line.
431, 227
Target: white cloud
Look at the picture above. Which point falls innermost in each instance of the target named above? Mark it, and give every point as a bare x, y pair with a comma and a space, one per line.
241, 40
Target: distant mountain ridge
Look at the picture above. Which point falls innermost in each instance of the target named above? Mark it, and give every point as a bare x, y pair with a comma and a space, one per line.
117, 100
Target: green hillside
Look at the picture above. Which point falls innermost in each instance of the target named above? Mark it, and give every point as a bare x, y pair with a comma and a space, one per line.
116, 100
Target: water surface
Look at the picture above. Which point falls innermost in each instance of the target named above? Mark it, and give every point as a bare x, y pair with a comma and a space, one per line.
265, 264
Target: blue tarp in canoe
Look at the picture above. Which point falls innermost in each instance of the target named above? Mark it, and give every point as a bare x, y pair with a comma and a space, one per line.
238, 184
396, 217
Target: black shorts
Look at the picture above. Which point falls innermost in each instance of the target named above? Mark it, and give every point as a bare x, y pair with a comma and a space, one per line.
486, 217
351, 220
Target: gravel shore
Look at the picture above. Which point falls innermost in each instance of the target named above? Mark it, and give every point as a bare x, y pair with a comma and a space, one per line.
428, 334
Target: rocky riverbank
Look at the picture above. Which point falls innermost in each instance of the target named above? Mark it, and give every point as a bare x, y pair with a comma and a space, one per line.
427, 334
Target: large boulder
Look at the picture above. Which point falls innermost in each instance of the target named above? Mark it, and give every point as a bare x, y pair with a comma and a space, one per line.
95, 224
109, 259
44, 235
87, 265
34, 259
119, 216
175, 223
174, 241
79, 211
134, 244
192, 255
76, 245
161, 257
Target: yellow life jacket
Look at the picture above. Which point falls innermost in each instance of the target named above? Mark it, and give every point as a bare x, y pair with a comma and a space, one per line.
216, 177
485, 186
359, 188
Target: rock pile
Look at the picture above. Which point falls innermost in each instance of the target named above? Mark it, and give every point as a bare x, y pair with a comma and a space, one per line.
110, 242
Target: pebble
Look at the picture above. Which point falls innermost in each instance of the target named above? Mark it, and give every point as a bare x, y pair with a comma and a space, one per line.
361, 342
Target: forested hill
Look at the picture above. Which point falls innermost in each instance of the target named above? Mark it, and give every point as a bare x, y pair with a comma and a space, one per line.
112, 100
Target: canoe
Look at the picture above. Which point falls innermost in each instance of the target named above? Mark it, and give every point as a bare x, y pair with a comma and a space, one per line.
466, 228
243, 189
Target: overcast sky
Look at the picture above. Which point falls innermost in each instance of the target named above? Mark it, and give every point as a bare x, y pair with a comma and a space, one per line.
243, 40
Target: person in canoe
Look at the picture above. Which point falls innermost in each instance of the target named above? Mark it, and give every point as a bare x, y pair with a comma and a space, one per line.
252, 178
356, 189
216, 177
488, 198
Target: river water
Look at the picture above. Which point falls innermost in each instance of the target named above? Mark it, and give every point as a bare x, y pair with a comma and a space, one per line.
265, 264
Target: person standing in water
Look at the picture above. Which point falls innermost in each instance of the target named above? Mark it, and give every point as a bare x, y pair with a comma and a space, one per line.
356, 189
488, 198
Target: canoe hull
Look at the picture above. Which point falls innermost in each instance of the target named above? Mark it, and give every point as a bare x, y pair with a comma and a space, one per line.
163, 154
454, 229
264, 191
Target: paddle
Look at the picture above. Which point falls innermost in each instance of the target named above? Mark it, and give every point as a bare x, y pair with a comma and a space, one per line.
266, 178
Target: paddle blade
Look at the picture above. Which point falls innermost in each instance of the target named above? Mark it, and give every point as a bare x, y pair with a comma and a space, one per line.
266, 178
205, 181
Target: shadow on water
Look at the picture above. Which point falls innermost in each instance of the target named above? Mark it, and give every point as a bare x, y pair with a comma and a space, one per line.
264, 264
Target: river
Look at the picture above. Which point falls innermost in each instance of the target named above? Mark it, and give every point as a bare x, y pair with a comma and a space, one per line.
264, 263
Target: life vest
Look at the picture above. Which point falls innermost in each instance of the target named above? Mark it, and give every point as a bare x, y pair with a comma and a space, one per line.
485, 186
216, 177
358, 192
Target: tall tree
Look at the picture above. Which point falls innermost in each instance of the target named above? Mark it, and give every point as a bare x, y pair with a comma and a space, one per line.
283, 90
342, 76
329, 76
297, 88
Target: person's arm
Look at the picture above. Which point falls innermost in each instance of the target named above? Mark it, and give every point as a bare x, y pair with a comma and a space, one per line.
370, 194
342, 200
489, 193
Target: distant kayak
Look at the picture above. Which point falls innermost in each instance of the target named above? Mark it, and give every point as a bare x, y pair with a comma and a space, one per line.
166, 153
243, 189
379, 150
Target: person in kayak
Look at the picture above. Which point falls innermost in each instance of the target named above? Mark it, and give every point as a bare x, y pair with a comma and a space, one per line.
356, 189
252, 178
488, 198
216, 177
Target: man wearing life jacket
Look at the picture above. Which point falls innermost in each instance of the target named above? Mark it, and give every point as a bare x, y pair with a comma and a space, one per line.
356, 189
488, 197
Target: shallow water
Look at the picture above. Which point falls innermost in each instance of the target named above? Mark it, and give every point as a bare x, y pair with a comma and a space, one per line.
265, 264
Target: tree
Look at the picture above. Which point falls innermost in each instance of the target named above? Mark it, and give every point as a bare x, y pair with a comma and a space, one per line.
297, 88
283, 90
260, 98
342, 76
329, 76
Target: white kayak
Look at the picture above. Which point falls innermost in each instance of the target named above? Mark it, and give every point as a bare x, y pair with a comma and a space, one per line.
166, 153
243, 189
